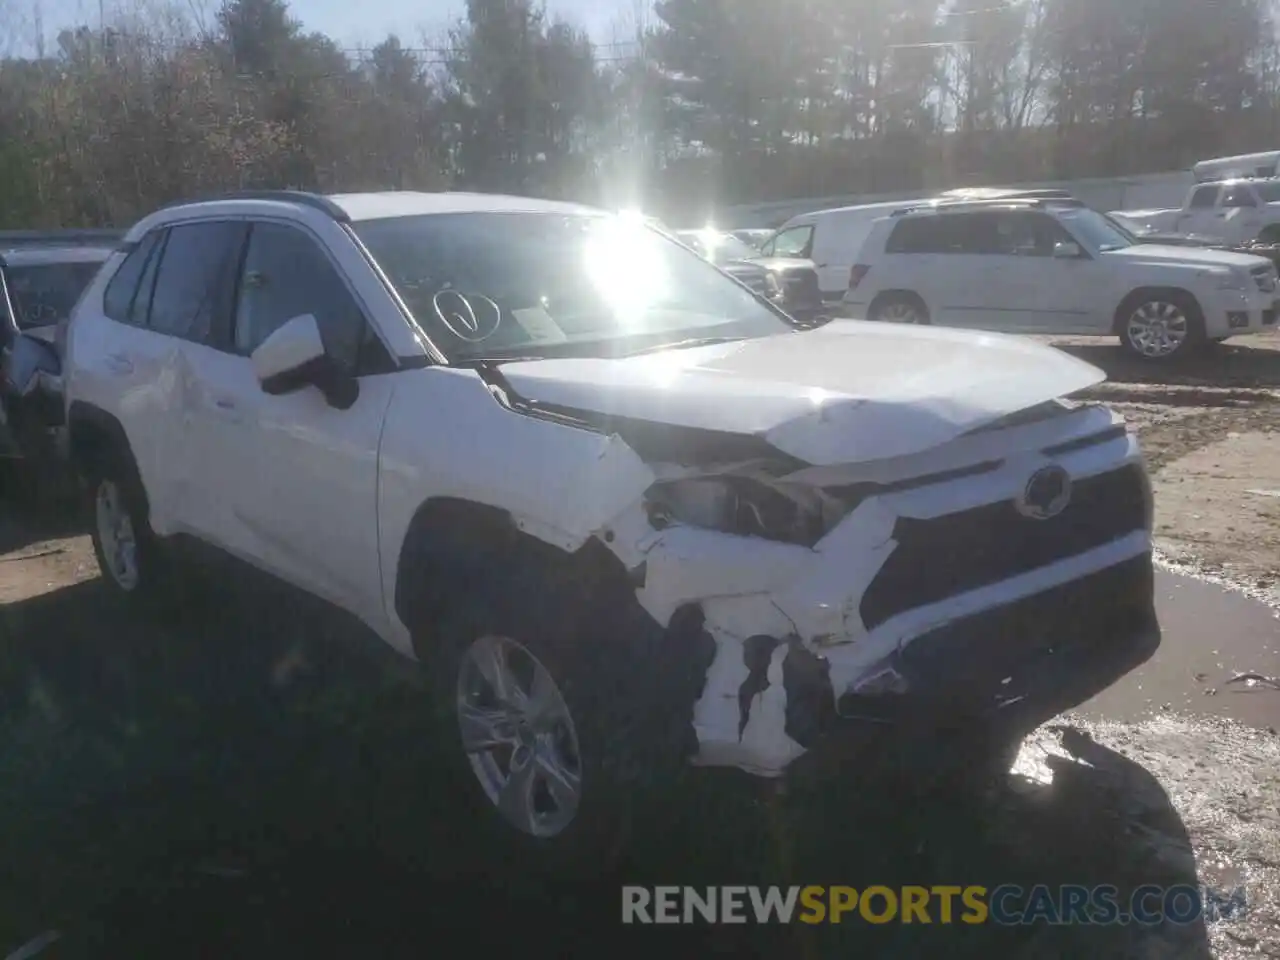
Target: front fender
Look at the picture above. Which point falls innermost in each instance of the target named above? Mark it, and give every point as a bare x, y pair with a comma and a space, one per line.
447, 435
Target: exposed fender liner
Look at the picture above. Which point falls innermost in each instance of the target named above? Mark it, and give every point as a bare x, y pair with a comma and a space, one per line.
440, 529
460, 536
90, 425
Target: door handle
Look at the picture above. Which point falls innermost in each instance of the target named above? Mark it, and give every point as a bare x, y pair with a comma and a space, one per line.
119, 363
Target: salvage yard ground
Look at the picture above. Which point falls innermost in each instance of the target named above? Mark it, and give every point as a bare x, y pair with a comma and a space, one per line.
250, 780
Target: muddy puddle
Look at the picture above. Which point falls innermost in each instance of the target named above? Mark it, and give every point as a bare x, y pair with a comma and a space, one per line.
1219, 648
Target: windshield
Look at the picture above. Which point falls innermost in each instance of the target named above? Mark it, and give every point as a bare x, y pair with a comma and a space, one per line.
498, 285
1097, 231
44, 294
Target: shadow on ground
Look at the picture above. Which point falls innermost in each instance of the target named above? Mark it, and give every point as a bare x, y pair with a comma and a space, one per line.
1222, 365
252, 780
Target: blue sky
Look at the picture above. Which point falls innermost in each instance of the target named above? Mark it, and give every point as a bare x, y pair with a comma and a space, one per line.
357, 22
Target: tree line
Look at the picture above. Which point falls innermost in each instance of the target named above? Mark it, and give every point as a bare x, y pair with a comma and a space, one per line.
699, 103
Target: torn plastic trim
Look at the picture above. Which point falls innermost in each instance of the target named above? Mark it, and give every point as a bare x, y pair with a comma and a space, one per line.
787, 710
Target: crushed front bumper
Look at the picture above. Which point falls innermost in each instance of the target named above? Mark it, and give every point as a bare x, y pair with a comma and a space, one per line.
929, 605
988, 677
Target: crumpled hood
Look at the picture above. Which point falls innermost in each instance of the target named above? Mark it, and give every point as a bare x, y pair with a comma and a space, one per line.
847, 392
1191, 256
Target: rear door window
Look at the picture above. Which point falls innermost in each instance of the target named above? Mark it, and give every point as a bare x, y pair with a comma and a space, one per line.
194, 283
950, 234
122, 290
1203, 197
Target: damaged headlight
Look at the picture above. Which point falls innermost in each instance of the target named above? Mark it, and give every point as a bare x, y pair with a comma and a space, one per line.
744, 506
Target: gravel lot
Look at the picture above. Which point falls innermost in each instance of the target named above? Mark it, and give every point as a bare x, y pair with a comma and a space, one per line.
251, 778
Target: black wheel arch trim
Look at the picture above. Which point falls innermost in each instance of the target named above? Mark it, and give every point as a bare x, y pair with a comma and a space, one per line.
82, 416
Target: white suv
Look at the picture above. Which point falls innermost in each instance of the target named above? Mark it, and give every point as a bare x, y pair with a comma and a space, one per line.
1056, 267
626, 514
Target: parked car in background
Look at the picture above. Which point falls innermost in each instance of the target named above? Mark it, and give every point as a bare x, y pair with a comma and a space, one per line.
1040, 266
1005, 193
830, 240
755, 236
1264, 165
1148, 236
1234, 211
40, 283
631, 521
790, 282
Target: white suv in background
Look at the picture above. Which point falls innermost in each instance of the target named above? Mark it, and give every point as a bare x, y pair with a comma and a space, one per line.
624, 512
1056, 267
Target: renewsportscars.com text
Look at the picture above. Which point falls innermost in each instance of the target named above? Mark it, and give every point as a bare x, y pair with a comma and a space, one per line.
1006, 905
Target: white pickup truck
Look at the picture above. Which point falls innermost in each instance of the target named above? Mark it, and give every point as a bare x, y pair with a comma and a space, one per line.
1235, 211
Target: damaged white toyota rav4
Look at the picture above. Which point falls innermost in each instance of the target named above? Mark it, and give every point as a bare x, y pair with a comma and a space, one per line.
631, 517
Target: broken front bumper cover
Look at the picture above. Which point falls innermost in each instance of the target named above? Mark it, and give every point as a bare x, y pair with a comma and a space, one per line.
989, 677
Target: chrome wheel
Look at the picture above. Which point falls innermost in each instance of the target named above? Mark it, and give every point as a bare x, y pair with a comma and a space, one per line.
899, 311
116, 535
1158, 329
518, 736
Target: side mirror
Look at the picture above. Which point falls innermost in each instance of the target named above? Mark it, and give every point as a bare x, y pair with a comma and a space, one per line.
1066, 251
293, 357
29, 362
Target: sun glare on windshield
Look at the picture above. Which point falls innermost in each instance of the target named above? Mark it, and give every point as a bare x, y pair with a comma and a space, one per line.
626, 268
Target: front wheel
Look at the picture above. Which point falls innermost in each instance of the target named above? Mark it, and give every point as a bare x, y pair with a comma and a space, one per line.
128, 552
556, 716
1161, 326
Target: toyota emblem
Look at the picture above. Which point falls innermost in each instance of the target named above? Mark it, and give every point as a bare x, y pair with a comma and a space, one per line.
1047, 493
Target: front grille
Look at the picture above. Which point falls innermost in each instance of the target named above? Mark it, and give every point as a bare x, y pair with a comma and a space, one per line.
1268, 317
950, 555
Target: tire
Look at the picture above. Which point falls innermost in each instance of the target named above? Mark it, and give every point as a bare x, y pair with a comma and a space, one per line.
139, 575
1161, 326
899, 308
628, 697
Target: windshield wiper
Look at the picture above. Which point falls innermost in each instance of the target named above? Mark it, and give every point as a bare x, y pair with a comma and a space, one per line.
683, 345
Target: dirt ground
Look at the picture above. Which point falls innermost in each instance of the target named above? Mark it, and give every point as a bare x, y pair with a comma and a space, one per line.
250, 778
1209, 431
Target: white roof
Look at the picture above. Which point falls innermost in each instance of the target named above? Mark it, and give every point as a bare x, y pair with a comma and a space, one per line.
357, 206
375, 206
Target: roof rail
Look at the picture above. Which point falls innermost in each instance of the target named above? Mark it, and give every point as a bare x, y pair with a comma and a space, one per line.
1003, 203
302, 198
